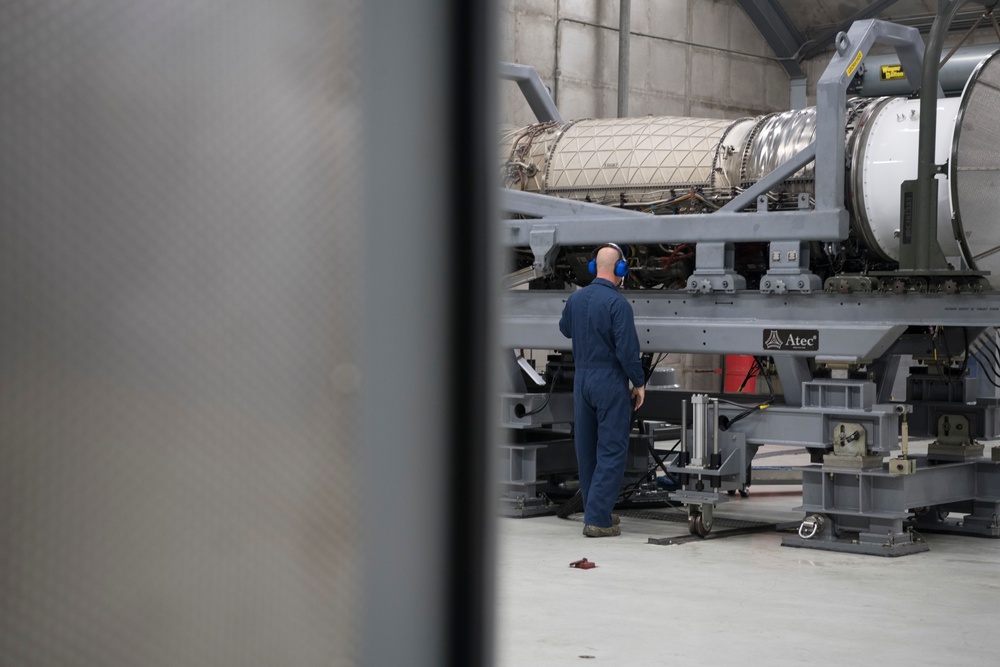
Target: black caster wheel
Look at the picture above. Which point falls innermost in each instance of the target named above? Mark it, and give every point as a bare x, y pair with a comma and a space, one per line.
697, 525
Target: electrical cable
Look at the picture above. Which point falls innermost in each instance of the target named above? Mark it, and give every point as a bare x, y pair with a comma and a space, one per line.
981, 350
988, 372
751, 410
658, 462
552, 387
988, 338
947, 352
965, 357
984, 344
987, 351
751, 372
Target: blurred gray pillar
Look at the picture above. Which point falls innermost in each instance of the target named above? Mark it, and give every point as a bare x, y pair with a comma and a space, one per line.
430, 275
180, 283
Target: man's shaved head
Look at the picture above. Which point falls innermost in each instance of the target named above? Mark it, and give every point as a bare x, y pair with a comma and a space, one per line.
606, 259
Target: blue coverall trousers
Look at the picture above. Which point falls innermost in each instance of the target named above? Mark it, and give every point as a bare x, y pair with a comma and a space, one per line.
602, 411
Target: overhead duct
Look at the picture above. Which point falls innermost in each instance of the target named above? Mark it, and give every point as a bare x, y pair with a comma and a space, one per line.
884, 75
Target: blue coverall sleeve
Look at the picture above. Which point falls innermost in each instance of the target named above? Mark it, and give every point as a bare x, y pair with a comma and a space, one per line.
627, 343
566, 321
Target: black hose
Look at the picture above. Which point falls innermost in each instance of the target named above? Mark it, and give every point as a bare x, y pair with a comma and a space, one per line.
552, 387
988, 372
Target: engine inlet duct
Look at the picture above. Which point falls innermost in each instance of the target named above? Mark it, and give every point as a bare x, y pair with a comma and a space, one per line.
671, 165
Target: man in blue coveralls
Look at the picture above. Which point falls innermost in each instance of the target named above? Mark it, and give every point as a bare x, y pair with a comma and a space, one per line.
606, 356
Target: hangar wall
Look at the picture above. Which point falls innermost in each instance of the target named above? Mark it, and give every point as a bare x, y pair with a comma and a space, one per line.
700, 58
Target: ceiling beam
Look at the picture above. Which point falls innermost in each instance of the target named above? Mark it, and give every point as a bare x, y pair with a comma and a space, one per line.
816, 46
778, 31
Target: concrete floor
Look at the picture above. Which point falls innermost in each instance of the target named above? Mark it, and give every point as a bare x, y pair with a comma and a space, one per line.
742, 600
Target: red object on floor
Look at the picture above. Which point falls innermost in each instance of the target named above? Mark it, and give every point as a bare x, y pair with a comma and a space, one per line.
737, 367
583, 564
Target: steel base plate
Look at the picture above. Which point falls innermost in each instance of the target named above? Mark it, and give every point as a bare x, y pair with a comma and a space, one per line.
851, 547
835, 462
956, 453
526, 507
967, 526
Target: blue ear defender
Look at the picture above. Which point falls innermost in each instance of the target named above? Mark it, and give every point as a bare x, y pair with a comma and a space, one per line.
621, 266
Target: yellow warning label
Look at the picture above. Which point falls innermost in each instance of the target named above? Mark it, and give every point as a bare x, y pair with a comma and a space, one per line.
890, 72
854, 64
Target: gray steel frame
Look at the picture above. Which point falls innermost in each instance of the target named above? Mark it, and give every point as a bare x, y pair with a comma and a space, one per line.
534, 91
828, 222
716, 316
852, 328
778, 31
867, 511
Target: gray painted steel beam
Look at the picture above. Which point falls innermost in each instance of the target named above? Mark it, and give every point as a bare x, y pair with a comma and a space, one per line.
831, 97
794, 426
816, 46
538, 206
534, 91
851, 328
792, 371
621, 226
778, 31
780, 174
924, 252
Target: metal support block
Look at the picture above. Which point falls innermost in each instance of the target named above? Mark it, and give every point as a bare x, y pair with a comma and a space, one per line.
733, 466
801, 282
715, 271
838, 394
705, 284
520, 466
698, 497
788, 269
844, 284
530, 410
518, 482
522, 506
858, 462
984, 420
981, 518
901, 466
885, 370
953, 430
940, 389
887, 549
941, 452
850, 440
543, 245
869, 512
887, 539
